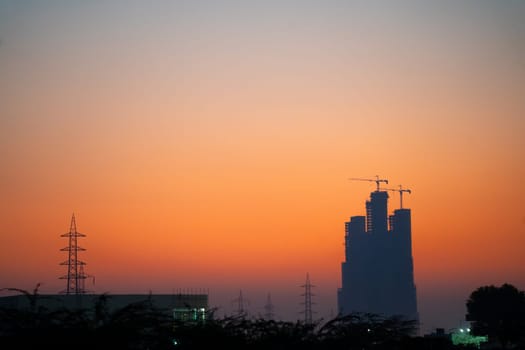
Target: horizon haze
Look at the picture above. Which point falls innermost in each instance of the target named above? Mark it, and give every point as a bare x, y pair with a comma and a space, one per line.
209, 144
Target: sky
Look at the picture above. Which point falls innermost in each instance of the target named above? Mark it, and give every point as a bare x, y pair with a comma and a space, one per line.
207, 145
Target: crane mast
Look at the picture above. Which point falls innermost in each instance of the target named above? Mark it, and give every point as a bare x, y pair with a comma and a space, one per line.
401, 190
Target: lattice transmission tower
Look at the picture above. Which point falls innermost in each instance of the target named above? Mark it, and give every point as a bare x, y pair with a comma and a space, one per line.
269, 308
241, 301
75, 268
307, 300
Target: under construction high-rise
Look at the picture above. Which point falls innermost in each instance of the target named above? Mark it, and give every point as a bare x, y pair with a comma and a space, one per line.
377, 274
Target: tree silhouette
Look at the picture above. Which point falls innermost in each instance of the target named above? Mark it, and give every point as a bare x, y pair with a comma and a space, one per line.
498, 312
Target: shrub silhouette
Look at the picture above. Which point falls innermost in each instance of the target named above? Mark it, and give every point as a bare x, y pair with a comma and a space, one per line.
143, 326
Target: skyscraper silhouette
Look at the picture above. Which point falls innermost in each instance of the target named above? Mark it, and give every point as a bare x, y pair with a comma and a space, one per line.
377, 274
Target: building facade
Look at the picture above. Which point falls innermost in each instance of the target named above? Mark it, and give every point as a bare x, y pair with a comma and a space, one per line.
183, 307
378, 273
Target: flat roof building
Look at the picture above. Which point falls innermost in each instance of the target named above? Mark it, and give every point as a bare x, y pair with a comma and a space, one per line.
183, 307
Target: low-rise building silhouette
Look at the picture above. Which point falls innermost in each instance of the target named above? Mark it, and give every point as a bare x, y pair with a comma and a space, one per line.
182, 306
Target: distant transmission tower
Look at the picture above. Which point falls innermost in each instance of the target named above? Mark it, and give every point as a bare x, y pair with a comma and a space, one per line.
83, 280
75, 268
268, 308
241, 311
307, 300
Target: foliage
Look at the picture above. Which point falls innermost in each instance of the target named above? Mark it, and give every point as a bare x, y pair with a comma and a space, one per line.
239, 332
135, 326
498, 312
363, 331
142, 326
357, 331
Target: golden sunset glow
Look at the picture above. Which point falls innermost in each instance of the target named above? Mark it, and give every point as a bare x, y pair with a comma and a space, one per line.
209, 144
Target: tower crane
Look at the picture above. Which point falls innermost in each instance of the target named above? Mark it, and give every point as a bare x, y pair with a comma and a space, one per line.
377, 180
400, 190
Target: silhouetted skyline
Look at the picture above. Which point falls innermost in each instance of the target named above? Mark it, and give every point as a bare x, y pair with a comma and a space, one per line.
207, 144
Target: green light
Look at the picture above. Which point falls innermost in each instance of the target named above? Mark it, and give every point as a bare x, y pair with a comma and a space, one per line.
465, 338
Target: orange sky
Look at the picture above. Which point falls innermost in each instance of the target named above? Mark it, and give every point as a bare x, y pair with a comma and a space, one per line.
209, 145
